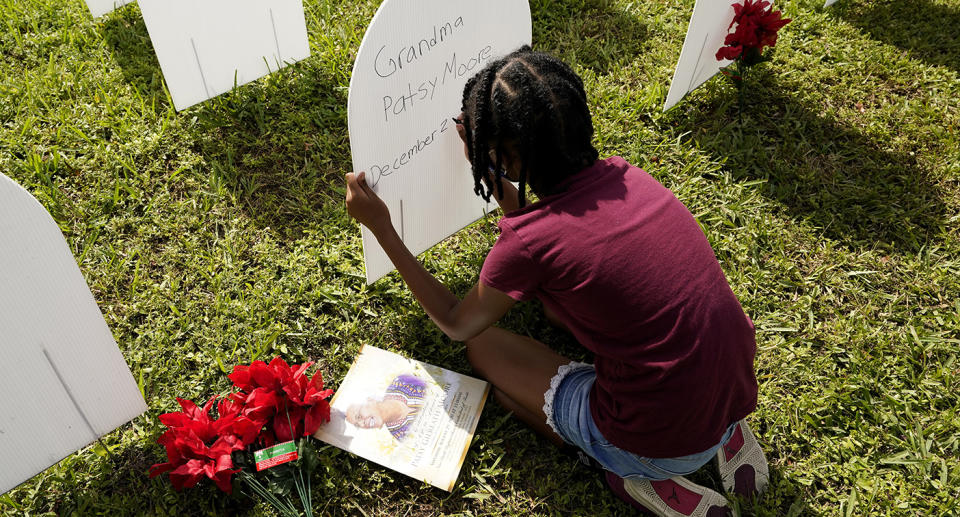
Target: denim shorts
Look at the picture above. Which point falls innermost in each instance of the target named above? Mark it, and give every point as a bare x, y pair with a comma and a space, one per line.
567, 405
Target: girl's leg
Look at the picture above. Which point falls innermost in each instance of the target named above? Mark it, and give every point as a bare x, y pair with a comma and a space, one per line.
554, 319
520, 369
528, 417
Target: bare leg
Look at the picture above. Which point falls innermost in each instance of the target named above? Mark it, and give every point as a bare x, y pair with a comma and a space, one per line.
533, 420
520, 368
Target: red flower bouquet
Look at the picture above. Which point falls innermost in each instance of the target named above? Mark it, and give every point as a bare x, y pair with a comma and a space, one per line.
275, 403
757, 26
282, 396
198, 446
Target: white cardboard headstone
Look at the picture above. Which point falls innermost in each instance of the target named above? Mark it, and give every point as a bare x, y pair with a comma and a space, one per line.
205, 48
709, 26
63, 381
101, 7
406, 87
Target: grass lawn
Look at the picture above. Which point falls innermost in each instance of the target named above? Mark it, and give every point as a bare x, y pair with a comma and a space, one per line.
217, 236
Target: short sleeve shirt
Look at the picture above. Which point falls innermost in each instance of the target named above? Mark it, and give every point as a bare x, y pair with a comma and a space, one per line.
627, 268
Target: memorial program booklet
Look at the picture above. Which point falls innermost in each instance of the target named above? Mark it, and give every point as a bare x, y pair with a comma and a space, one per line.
409, 416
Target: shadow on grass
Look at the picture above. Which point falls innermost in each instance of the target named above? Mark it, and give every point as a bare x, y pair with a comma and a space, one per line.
924, 29
122, 485
592, 33
279, 144
125, 33
783, 497
830, 175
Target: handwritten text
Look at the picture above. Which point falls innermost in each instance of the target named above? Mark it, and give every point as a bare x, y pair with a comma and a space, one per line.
388, 63
455, 68
376, 172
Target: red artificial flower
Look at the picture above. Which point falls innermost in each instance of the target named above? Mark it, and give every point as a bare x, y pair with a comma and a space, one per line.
757, 27
282, 398
216, 465
233, 422
277, 402
199, 446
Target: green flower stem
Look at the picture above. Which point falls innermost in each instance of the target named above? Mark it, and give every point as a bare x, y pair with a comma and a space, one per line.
303, 490
741, 71
285, 508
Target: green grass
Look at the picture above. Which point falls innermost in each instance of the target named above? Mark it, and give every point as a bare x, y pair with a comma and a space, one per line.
217, 235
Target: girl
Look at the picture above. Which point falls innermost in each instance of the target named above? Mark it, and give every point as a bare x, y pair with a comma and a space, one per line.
618, 261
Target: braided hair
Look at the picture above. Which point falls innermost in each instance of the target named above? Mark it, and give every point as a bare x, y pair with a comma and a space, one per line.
534, 106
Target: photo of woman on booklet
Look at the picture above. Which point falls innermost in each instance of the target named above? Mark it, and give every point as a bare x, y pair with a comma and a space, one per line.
397, 409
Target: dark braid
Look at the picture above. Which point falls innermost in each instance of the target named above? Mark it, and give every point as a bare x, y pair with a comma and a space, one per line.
483, 82
537, 105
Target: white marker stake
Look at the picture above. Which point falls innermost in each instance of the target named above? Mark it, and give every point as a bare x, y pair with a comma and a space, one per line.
828, 3
63, 382
406, 87
204, 48
708, 28
101, 7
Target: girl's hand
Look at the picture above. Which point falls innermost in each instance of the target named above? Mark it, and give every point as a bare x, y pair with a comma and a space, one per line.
364, 205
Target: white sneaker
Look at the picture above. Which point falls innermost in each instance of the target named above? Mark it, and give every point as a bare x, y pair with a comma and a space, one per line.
675, 497
743, 467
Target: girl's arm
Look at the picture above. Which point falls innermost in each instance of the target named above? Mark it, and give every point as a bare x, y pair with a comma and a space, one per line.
460, 320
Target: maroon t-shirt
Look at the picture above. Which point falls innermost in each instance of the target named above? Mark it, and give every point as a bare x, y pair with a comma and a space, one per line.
625, 266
